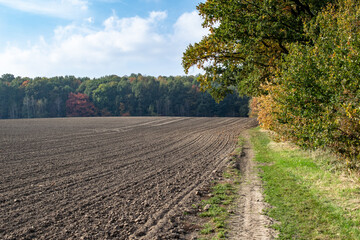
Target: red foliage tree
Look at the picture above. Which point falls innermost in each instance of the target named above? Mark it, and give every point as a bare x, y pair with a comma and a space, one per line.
79, 105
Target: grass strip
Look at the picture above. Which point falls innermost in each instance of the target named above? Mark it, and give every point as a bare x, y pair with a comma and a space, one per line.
223, 193
308, 201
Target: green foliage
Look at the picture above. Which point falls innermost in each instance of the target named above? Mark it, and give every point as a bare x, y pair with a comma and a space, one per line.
39, 97
133, 95
298, 59
247, 40
319, 85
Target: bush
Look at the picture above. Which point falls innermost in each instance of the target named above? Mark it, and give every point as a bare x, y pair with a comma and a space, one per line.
318, 88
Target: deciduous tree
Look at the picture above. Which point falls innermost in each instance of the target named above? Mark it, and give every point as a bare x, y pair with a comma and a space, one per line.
247, 40
79, 105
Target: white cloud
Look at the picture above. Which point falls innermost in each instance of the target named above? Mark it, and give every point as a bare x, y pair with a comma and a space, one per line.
121, 46
188, 27
89, 20
68, 9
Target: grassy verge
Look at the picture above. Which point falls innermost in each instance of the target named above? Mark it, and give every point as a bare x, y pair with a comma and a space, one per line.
308, 200
216, 209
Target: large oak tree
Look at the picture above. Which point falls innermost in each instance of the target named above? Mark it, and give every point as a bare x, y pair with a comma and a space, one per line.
246, 41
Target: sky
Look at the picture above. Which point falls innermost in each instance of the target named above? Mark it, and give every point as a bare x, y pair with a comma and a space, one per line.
94, 38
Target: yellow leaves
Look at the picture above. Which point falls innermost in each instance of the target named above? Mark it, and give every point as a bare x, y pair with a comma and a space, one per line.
204, 82
200, 54
351, 111
263, 107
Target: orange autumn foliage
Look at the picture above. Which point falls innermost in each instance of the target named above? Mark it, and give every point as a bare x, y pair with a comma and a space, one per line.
262, 108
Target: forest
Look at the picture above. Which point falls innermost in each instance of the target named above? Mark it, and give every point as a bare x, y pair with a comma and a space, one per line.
134, 95
298, 60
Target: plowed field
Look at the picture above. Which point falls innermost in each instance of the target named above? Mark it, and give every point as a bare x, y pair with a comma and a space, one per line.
107, 178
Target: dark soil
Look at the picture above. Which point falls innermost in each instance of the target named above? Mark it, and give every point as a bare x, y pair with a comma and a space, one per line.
108, 178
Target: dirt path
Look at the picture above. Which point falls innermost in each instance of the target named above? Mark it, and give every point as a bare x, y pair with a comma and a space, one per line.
248, 221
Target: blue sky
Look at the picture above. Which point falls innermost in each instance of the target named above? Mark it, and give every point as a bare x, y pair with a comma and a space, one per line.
96, 37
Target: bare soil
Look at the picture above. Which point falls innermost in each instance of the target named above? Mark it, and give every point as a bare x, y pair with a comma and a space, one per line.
108, 178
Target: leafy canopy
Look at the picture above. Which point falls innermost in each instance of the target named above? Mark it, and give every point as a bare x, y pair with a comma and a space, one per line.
247, 40
318, 88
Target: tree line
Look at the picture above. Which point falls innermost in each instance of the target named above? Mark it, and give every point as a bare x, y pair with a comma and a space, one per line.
134, 95
298, 59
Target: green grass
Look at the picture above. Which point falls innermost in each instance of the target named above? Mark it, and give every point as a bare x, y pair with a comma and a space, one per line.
223, 194
308, 200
